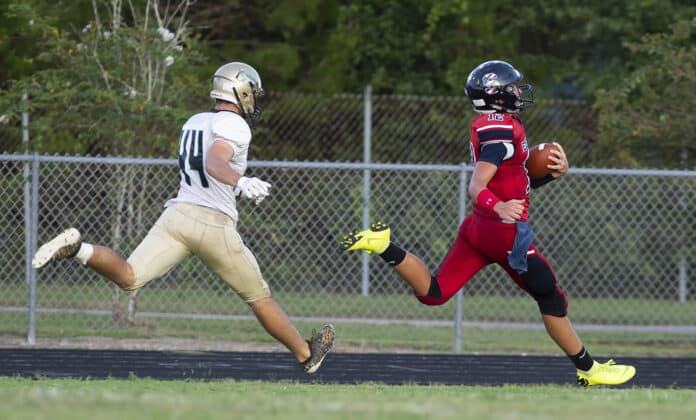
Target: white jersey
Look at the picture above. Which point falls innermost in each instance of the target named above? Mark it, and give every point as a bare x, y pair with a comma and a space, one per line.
197, 136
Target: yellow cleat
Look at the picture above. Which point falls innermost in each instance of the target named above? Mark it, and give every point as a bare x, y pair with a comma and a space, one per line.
374, 239
608, 373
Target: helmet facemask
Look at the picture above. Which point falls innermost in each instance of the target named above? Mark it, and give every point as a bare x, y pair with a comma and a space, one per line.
525, 98
248, 102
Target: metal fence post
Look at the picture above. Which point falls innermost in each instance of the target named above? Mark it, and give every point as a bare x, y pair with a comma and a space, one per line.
30, 223
682, 280
367, 149
459, 303
27, 226
34, 222
27, 195
683, 275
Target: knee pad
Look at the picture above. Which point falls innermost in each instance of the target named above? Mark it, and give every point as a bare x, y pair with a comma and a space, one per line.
434, 291
540, 282
434, 296
539, 279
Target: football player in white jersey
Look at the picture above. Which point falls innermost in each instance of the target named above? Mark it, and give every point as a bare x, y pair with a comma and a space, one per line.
201, 220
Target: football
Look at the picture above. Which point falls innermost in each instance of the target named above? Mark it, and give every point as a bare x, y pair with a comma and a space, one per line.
538, 159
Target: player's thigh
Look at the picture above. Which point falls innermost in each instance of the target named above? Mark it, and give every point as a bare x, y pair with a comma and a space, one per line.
160, 250
224, 252
494, 239
459, 265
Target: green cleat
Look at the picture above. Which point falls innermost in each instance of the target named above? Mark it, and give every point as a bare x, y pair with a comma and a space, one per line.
608, 373
374, 239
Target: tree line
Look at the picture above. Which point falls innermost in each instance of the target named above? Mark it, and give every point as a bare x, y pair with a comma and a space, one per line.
119, 77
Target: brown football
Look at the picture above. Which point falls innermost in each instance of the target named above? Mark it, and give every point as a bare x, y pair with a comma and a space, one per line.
538, 159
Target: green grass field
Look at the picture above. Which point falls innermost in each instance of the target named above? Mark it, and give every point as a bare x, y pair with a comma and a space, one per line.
149, 399
377, 337
97, 294
356, 337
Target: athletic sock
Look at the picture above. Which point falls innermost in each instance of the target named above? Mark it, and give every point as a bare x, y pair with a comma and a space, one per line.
582, 360
84, 253
393, 255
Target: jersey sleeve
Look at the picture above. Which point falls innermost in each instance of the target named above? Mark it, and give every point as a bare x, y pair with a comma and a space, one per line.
494, 153
233, 130
495, 134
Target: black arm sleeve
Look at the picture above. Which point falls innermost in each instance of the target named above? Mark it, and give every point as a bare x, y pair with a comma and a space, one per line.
536, 183
493, 153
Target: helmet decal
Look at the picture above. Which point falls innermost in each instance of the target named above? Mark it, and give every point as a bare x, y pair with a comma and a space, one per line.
490, 79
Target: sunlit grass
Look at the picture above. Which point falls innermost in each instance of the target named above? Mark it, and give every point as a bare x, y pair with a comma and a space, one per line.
150, 399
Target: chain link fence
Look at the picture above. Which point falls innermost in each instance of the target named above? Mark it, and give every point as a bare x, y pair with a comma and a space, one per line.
621, 242
402, 129
383, 128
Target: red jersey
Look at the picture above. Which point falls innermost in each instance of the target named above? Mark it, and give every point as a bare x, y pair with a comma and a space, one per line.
500, 139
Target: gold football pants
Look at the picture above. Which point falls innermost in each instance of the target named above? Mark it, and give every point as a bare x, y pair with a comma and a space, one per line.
187, 229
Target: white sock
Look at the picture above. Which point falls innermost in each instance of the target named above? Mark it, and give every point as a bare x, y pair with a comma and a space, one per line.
84, 253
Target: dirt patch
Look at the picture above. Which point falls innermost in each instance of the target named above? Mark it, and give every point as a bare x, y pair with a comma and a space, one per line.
159, 343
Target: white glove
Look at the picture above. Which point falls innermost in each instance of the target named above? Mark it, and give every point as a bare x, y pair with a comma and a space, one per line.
253, 188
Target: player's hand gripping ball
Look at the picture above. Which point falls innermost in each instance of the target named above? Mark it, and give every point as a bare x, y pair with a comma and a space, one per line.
539, 159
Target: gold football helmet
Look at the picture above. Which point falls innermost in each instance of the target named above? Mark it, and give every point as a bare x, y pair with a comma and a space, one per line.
239, 84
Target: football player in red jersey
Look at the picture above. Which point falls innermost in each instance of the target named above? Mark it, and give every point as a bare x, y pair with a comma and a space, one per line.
497, 230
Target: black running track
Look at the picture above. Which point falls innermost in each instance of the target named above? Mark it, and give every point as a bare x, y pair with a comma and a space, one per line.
344, 368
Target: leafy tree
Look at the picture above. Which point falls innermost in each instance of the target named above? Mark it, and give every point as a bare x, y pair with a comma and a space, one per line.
414, 47
121, 85
284, 39
572, 48
26, 25
566, 50
648, 120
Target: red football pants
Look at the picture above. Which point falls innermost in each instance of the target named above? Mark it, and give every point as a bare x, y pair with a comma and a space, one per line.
480, 242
